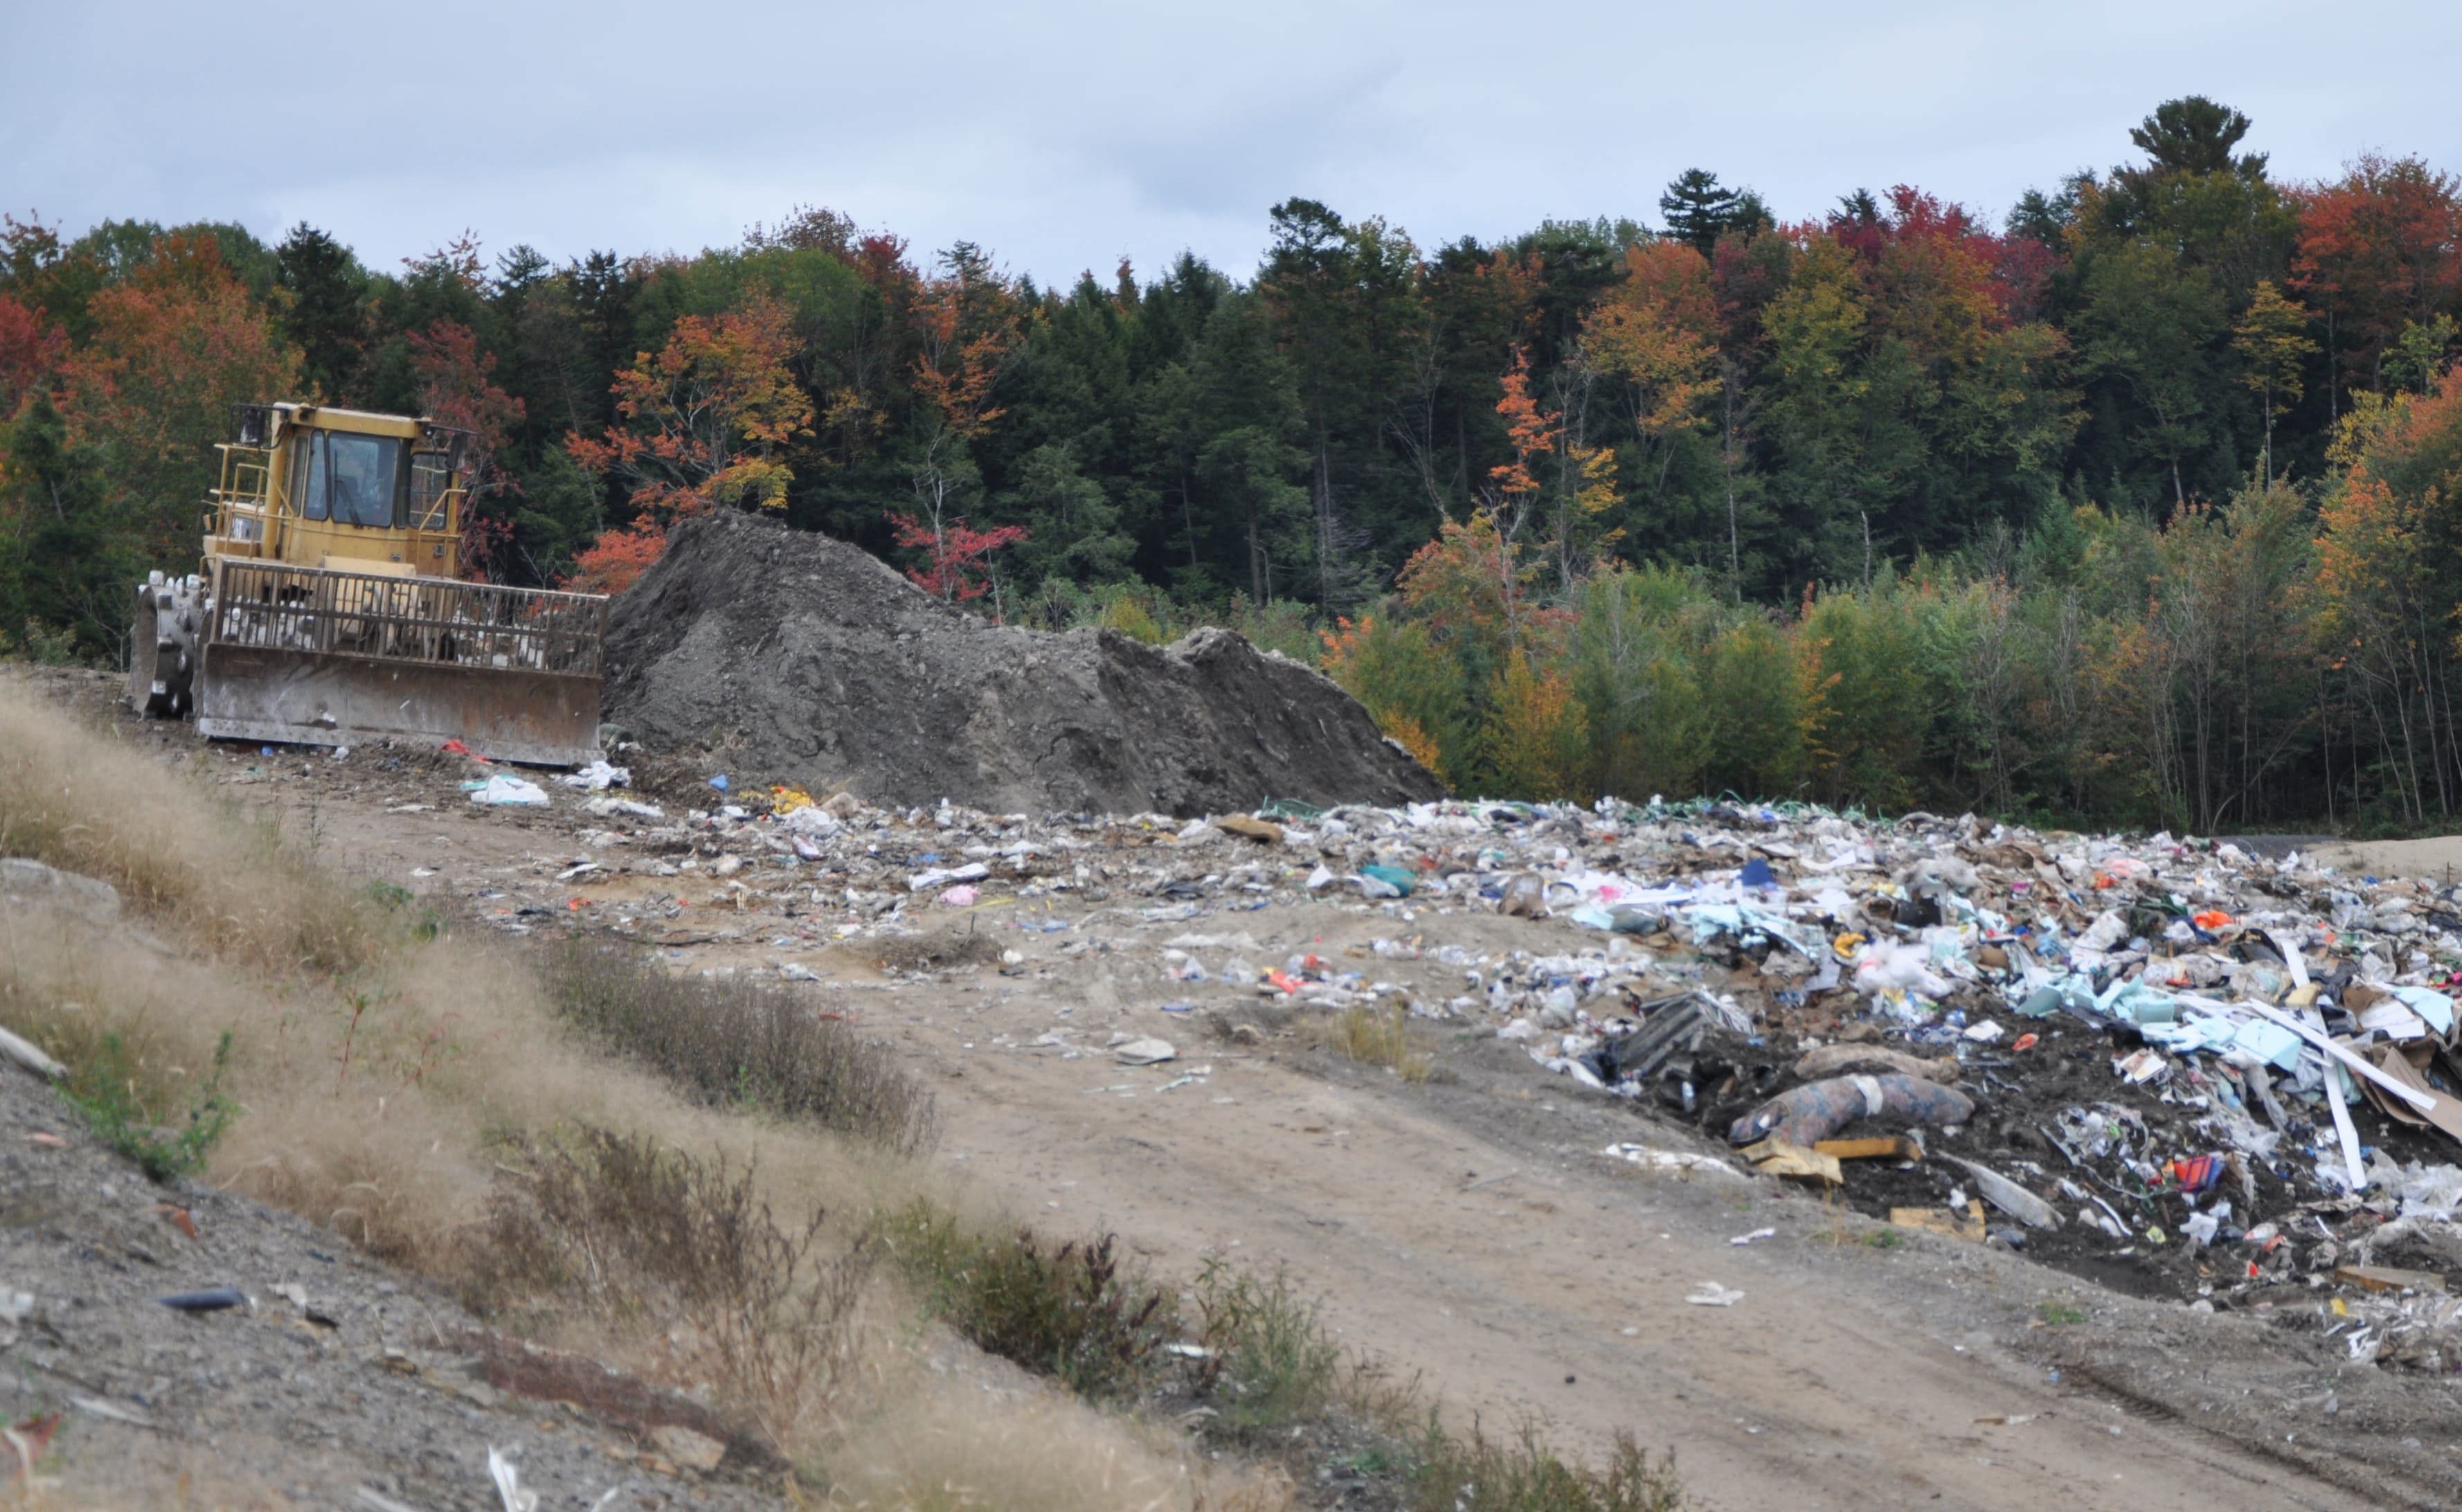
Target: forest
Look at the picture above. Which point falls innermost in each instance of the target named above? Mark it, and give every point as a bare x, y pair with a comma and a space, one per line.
2141, 508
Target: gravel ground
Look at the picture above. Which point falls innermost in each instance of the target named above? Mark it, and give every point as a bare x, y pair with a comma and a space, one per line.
375, 1394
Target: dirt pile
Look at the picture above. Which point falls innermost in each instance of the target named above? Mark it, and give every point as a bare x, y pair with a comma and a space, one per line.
802, 658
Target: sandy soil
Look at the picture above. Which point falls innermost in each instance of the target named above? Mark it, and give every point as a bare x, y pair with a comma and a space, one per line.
2437, 858
1469, 1233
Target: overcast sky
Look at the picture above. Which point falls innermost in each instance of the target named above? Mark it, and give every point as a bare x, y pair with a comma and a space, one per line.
1063, 137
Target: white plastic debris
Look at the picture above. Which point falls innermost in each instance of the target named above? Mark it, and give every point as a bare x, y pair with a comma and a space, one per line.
597, 777
503, 791
509, 1482
628, 807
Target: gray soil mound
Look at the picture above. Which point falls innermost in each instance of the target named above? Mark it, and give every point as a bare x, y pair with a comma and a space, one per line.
802, 658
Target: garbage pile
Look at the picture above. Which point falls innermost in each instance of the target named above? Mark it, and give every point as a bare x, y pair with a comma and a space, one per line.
2179, 1067
805, 660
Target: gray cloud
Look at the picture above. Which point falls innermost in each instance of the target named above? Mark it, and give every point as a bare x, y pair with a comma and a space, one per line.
1064, 138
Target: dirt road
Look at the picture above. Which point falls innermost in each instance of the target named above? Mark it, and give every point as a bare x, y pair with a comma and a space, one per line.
1468, 1231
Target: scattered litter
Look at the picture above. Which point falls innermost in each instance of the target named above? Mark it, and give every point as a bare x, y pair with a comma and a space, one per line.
1812, 1113
97, 1407
1144, 1052
1776, 1156
626, 807
509, 1482
30, 1055
1671, 1161
2009, 1198
1711, 1294
1968, 1226
1758, 1233
211, 1301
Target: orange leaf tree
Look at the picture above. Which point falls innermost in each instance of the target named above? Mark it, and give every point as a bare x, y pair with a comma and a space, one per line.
702, 423
174, 346
2379, 249
968, 326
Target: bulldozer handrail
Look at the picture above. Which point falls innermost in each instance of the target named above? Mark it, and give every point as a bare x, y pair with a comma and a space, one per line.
405, 618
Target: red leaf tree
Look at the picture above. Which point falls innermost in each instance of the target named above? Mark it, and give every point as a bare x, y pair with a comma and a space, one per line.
956, 558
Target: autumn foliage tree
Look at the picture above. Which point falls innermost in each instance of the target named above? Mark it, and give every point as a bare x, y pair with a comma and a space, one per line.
958, 558
174, 346
457, 388
966, 338
2379, 249
703, 423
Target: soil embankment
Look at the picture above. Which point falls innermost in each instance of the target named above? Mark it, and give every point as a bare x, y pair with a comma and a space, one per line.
799, 658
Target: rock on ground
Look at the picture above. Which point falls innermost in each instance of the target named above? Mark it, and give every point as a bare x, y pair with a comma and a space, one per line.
802, 658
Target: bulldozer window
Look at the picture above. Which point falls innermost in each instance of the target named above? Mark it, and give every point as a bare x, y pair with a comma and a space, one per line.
367, 479
354, 479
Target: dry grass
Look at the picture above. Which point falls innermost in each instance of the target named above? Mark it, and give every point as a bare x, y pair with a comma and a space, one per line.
1376, 1037
607, 1222
954, 1447
175, 853
385, 1078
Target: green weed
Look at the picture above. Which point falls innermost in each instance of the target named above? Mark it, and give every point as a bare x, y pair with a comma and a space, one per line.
1071, 1312
103, 1091
1273, 1362
1478, 1474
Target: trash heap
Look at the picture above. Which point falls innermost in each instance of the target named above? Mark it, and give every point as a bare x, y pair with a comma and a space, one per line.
2180, 1066
2231, 1074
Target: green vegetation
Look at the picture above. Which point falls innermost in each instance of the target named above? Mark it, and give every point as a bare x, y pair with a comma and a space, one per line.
1271, 1362
1448, 1473
1071, 1312
2060, 1314
105, 1091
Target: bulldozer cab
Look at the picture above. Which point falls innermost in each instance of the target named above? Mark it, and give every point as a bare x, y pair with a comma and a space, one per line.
331, 611
319, 486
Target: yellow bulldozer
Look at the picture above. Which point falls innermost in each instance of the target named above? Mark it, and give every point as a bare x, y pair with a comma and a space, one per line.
330, 610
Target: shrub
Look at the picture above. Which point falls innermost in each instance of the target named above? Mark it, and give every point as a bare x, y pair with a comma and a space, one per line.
1378, 1037
1479, 1474
1273, 1363
613, 1223
1068, 1312
736, 1042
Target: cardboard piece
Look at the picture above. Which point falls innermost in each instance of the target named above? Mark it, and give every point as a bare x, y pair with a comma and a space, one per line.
2388, 1278
1777, 1157
1893, 1147
1942, 1220
2443, 1111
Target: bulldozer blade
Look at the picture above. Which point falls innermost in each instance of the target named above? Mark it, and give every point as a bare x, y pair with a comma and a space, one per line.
327, 697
